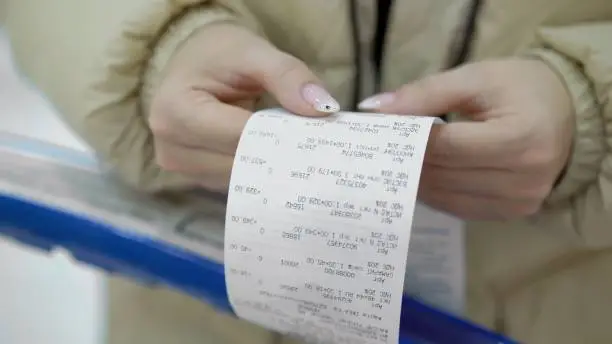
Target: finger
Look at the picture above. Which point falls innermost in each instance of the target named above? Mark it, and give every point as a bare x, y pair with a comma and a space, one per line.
197, 120
212, 170
291, 82
456, 90
477, 208
485, 182
493, 143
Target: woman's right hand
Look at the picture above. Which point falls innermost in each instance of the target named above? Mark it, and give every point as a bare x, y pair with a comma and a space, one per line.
208, 93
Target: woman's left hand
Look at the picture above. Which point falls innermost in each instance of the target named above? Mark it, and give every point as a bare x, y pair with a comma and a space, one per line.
504, 161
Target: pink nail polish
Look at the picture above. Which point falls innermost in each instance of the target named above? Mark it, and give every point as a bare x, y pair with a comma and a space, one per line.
320, 99
377, 101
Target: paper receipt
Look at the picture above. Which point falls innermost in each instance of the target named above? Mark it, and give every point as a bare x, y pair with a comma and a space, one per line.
319, 221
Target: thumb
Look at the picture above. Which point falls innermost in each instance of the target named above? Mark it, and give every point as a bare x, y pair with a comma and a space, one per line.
449, 91
291, 82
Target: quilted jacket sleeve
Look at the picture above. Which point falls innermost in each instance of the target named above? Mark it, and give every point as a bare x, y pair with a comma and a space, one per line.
581, 204
93, 59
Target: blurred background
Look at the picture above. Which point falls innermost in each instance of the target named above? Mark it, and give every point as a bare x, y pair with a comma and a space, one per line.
44, 299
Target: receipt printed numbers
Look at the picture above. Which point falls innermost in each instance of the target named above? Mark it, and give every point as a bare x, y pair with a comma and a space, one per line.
318, 223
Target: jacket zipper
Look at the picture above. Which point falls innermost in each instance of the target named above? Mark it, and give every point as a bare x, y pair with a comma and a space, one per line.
383, 16
357, 63
459, 52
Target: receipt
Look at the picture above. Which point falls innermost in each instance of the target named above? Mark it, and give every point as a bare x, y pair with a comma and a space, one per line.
435, 270
318, 223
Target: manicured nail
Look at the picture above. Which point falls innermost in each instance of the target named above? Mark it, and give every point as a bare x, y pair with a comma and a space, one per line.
320, 99
377, 101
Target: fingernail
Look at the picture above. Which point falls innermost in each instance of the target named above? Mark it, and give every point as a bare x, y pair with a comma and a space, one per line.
320, 100
377, 101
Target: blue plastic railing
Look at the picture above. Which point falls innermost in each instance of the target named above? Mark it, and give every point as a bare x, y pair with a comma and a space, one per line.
153, 261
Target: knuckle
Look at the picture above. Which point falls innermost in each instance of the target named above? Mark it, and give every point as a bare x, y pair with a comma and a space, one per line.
165, 161
159, 126
160, 116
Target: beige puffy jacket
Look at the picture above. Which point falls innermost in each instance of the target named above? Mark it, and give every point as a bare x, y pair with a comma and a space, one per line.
546, 279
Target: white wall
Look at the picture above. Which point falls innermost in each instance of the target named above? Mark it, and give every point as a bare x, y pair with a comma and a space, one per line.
43, 299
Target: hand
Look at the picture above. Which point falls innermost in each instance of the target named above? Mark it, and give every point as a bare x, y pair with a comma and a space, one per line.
208, 93
502, 163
